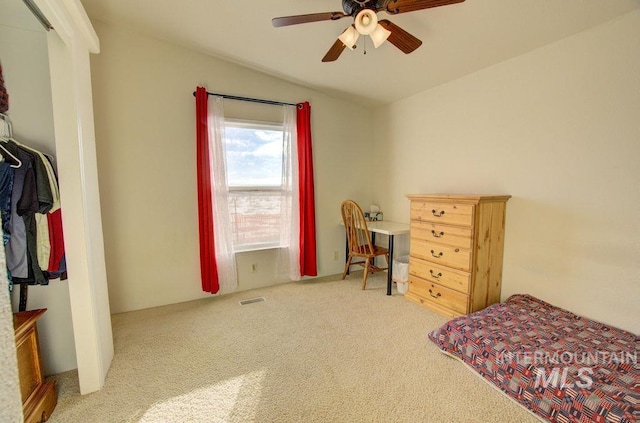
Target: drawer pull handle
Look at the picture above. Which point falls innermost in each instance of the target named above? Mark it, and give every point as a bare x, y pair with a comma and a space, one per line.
438, 295
433, 212
436, 234
433, 254
437, 276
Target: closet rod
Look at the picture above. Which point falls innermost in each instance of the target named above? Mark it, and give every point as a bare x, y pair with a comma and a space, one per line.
38, 14
249, 99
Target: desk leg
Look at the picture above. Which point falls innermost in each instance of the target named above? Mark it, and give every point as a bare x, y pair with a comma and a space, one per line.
346, 250
373, 242
390, 270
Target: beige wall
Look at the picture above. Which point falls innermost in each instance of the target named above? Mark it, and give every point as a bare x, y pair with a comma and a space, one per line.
557, 128
144, 114
23, 52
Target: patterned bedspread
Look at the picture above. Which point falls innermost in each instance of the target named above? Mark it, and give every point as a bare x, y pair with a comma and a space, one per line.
562, 367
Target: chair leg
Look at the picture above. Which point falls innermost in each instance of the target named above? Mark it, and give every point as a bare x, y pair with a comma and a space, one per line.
346, 268
366, 273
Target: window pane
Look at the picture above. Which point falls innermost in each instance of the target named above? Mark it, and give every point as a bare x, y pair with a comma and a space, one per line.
255, 218
254, 156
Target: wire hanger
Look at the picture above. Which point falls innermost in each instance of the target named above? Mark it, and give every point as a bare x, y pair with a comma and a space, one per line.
7, 137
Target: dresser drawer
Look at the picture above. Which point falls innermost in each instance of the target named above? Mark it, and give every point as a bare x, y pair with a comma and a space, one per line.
457, 236
458, 258
449, 213
439, 295
445, 276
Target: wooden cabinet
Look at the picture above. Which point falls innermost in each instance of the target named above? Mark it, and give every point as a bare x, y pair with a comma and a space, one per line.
39, 398
456, 248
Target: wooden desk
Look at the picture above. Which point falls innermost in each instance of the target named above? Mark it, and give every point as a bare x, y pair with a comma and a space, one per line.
39, 398
391, 229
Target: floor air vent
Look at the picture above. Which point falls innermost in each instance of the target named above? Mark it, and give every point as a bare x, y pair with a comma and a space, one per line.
252, 300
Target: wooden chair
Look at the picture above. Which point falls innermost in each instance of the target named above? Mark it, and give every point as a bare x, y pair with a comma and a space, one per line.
359, 241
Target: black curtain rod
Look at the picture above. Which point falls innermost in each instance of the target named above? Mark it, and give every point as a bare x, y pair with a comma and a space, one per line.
252, 100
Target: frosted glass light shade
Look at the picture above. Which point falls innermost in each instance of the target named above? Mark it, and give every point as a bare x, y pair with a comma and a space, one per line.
379, 36
366, 21
349, 37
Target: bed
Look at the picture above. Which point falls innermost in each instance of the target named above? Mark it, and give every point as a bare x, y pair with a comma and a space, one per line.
560, 366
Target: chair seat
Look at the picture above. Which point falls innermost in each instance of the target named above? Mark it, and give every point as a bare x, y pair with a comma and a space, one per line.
363, 250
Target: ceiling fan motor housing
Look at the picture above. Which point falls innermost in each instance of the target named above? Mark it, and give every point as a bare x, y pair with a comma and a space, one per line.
352, 7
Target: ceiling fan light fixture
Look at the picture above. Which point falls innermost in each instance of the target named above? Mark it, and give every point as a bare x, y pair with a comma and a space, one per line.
379, 35
349, 37
366, 21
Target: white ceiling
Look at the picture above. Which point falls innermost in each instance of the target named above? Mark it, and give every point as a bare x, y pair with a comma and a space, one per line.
457, 39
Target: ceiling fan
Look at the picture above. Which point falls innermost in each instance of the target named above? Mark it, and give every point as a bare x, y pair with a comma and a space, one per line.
365, 22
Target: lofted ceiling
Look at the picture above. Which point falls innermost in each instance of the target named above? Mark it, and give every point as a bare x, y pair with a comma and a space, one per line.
457, 39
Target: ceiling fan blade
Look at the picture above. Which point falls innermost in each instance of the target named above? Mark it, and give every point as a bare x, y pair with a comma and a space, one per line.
400, 38
403, 6
334, 52
313, 17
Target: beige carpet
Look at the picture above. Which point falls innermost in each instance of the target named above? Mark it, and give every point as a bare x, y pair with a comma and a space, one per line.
321, 351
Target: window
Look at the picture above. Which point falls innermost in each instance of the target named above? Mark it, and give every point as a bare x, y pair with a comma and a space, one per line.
254, 154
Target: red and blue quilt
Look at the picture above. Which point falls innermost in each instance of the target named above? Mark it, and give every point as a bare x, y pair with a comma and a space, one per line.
560, 366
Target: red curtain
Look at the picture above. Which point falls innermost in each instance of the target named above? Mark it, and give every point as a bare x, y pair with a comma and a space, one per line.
208, 267
308, 266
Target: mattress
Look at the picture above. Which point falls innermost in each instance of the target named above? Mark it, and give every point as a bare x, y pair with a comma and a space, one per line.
559, 365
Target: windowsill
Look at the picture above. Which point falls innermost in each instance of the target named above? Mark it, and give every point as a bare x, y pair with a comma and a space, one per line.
257, 248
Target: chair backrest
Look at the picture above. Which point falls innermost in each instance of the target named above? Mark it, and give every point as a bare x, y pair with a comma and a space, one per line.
358, 236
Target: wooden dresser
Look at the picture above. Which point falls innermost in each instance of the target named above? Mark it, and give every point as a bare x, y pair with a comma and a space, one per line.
456, 247
39, 397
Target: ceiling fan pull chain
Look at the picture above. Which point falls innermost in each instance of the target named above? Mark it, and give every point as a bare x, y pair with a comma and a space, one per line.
364, 42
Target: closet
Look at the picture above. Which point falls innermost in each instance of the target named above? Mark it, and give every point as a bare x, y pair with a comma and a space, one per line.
50, 96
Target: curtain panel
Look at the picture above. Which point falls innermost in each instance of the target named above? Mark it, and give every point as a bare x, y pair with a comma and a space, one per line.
308, 265
289, 257
208, 266
217, 258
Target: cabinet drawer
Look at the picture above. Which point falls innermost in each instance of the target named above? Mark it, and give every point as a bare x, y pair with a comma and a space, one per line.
445, 234
438, 294
458, 258
445, 276
450, 213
